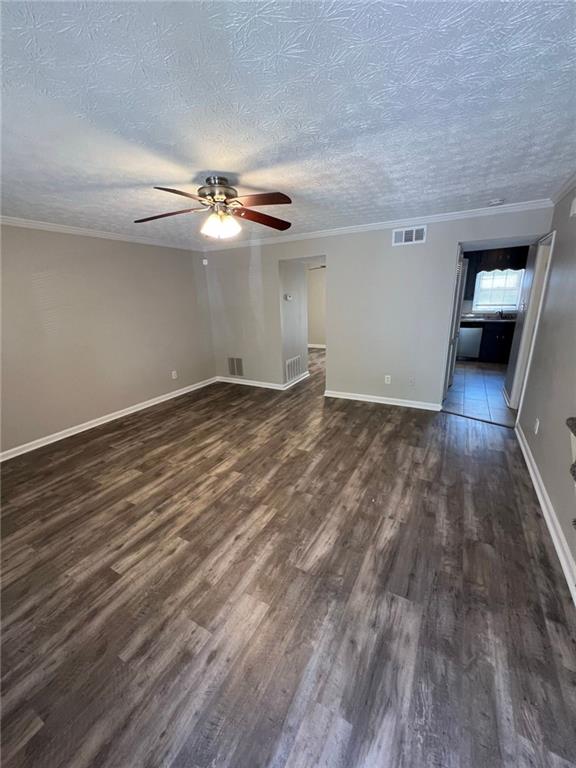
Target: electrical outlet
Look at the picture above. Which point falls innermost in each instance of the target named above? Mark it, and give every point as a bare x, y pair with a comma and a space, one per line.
536, 426
387, 379
205, 262
411, 381
174, 374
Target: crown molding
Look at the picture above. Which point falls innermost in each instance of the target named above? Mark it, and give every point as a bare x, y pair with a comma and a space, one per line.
200, 247
530, 205
564, 188
64, 229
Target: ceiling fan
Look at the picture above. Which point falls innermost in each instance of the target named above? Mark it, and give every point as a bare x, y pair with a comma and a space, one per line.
225, 206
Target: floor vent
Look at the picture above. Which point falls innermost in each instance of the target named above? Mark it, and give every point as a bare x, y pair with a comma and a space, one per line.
409, 236
293, 368
235, 366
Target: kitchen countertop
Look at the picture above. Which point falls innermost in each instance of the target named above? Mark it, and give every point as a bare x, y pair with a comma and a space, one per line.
485, 319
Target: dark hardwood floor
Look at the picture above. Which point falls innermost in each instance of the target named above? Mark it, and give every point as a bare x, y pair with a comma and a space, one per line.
243, 578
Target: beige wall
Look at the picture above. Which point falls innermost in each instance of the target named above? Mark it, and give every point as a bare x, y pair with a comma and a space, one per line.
316, 306
550, 394
92, 326
245, 312
387, 308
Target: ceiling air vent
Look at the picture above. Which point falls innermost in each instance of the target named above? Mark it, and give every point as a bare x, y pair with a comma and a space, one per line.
409, 236
235, 366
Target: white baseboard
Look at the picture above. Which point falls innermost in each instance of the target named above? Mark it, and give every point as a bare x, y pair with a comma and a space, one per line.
316, 346
559, 540
56, 436
508, 403
297, 380
263, 384
249, 382
384, 400
53, 438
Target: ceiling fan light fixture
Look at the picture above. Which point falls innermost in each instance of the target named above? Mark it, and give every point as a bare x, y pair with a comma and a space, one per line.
220, 226
226, 207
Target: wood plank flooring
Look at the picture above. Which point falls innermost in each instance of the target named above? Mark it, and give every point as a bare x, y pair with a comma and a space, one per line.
243, 578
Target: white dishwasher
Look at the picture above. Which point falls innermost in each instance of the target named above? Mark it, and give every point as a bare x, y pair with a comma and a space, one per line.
469, 340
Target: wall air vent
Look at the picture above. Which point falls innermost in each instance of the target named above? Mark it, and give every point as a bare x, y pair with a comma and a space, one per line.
235, 366
410, 236
293, 368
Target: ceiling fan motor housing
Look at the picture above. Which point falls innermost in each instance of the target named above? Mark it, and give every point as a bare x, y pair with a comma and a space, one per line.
218, 189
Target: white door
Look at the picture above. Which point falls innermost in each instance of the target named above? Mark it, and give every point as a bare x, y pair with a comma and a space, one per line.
461, 271
531, 303
514, 360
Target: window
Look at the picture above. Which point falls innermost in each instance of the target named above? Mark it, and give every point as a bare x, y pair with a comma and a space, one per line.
498, 290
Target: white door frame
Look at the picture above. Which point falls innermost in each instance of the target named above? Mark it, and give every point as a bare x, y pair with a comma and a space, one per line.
540, 299
458, 296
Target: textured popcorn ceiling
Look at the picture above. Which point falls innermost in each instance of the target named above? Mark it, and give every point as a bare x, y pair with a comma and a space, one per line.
361, 112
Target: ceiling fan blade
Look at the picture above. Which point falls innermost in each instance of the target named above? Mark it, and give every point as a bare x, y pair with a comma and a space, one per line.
179, 192
260, 218
266, 198
173, 213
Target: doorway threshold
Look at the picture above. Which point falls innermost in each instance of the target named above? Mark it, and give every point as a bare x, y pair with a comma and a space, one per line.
478, 392
478, 418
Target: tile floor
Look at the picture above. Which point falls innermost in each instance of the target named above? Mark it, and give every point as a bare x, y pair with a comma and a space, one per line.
477, 392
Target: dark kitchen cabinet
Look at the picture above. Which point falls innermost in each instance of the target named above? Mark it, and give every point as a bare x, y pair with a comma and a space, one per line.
496, 342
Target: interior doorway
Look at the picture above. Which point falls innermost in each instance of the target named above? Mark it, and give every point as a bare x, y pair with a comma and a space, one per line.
303, 318
316, 305
497, 302
316, 287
